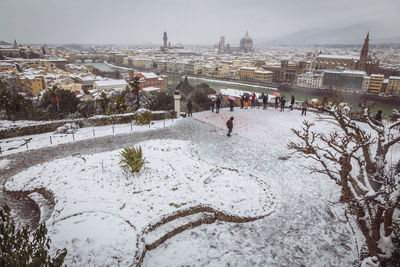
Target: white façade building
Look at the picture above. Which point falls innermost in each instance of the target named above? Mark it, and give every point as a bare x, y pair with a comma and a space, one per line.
310, 80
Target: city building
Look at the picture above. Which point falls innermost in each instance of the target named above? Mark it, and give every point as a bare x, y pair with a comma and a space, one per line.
167, 45
286, 72
375, 83
109, 84
59, 63
263, 76
31, 84
393, 87
245, 45
255, 75
365, 85
247, 73
310, 80
344, 80
150, 79
363, 62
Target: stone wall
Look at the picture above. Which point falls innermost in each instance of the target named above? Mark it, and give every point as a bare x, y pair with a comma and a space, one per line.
100, 120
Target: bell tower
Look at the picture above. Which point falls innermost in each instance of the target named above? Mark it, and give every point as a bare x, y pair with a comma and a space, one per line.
364, 54
165, 39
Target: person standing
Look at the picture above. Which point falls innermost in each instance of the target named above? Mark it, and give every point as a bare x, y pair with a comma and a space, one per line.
212, 105
229, 125
253, 100
231, 104
276, 102
241, 101
292, 102
283, 102
217, 105
304, 107
246, 102
265, 101
189, 108
378, 116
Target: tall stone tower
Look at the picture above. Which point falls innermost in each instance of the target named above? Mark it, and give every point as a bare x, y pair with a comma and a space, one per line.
221, 45
364, 54
165, 39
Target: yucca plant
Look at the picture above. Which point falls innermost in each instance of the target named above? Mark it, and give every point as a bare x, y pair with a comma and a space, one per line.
132, 158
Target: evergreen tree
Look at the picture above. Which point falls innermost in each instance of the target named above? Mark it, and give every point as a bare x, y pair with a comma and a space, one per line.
185, 87
25, 247
60, 102
134, 86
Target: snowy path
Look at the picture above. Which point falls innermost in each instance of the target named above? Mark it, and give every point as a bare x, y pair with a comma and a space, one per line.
302, 232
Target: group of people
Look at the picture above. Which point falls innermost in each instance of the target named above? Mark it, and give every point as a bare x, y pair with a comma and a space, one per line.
244, 103
216, 104
278, 100
246, 98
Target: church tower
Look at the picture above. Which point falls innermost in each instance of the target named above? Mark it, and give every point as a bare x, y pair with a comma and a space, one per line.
165, 39
364, 54
364, 50
15, 44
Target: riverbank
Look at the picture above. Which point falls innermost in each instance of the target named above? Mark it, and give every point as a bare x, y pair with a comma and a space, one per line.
380, 103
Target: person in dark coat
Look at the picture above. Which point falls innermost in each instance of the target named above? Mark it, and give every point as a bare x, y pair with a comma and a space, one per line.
253, 100
378, 115
189, 108
276, 102
231, 104
212, 105
292, 102
241, 101
218, 104
229, 125
283, 102
265, 101
304, 107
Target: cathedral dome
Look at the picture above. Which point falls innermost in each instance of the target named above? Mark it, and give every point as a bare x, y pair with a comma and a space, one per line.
246, 43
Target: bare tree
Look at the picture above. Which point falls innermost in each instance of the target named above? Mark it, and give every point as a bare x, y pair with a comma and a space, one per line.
354, 155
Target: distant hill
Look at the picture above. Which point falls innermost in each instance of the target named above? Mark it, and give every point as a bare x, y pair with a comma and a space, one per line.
317, 36
4, 43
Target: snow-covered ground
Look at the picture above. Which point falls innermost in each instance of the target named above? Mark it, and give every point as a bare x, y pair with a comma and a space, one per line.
23, 143
95, 196
101, 211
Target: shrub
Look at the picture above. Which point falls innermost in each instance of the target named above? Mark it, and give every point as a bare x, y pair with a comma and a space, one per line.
25, 247
143, 116
132, 158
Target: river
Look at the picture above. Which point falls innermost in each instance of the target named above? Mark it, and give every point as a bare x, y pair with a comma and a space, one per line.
173, 80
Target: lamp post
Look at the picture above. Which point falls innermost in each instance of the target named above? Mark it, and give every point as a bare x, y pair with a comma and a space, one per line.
177, 103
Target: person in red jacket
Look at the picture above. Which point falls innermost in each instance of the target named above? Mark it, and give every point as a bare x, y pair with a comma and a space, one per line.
253, 100
229, 124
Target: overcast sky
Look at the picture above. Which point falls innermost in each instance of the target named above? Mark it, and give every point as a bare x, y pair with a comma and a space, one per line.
186, 21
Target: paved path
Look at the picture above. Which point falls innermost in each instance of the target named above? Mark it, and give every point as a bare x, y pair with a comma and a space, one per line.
303, 231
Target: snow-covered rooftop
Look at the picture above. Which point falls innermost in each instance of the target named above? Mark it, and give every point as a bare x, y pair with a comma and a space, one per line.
149, 75
111, 83
338, 57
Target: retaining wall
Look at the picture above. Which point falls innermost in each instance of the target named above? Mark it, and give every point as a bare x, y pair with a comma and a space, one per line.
100, 120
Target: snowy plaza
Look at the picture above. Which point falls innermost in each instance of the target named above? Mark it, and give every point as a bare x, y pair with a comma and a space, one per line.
202, 199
